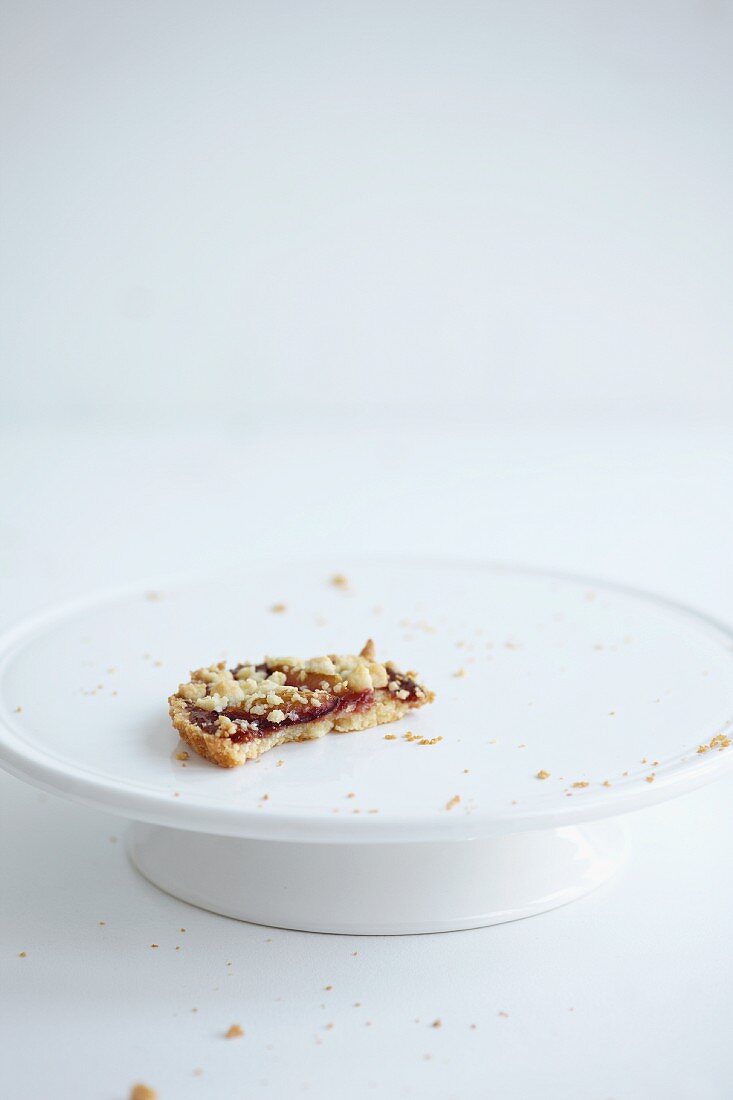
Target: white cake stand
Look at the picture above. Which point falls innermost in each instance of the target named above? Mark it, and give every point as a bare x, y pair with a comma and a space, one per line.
624, 699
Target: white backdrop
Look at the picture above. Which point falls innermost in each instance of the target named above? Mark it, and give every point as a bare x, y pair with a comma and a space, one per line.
494, 236
508, 209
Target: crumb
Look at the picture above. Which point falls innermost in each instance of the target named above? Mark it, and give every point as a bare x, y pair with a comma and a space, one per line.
354, 953
720, 741
605, 783
152, 596
18, 710
437, 1023
328, 988
581, 783
542, 774
328, 1027
459, 673
155, 945
234, 1032
197, 1072
181, 756
351, 794
429, 740
143, 1092
279, 763
176, 794
650, 778
465, 771
493, 741
158, 664
23, 955
102, 923
265, 798
504, 1014
194, 1010
182, 929
453, 802
357, 1004
624, 773
514, 802
278, 608
390, 737
338, 580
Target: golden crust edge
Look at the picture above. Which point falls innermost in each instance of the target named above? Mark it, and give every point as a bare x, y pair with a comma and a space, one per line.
224, 753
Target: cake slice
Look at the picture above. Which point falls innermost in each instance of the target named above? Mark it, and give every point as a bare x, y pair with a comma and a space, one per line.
233, 715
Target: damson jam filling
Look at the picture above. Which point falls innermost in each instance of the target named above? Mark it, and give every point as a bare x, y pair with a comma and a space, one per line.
404, 683
252, 727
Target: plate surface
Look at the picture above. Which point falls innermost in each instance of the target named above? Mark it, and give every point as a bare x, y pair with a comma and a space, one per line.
533, 672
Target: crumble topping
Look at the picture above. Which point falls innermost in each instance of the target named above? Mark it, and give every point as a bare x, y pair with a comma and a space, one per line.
237, 703
232, 714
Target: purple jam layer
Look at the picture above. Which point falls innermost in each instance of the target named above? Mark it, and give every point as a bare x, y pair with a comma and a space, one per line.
253, 727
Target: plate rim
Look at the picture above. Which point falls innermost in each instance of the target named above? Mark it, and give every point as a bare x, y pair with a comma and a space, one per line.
29, 764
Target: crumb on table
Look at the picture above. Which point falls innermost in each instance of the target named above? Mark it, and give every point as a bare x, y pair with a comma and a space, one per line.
234, 1032
453, 802
542, 774
143, 1092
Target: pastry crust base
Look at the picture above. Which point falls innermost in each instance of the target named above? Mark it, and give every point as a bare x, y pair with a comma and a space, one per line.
229, 754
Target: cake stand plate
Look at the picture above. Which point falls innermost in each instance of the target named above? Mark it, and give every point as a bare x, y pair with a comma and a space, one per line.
561, 705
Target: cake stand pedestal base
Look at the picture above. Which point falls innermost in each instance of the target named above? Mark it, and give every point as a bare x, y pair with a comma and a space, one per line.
382, 889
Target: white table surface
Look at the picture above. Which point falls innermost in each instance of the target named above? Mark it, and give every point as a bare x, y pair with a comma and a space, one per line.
624, 995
